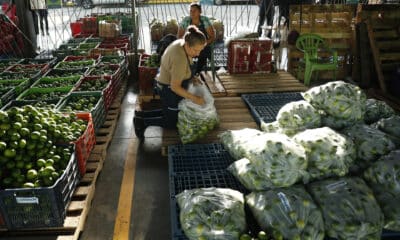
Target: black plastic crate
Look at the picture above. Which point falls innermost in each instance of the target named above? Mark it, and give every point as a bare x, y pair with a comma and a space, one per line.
98, 112
265, 106
203, 179
192, 158
31, 208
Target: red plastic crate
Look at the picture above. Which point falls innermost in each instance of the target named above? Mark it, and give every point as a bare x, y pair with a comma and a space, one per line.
84, 35
89, 25
239, 57
146, 74
80, 58
29, 68
261, 62
85, 143
249, 55
76, 28
120, 46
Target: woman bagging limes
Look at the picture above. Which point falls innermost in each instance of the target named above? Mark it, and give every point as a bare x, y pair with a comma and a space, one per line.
173, 80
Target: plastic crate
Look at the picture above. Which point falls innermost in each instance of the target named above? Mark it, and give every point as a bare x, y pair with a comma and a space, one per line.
25, 96
6, 63
7, 95
66, 72
78, 64
107, 90
192, 158
113, 59
19, 85
85, 143
27, 208
50, 61
98, 112
112, 70
96, 58
117, 46
89, 25
249, 55
32, 68
18, 75
146, 74
265, 106
49, 81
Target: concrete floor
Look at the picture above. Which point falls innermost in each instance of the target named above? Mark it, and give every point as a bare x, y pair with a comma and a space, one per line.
150, 203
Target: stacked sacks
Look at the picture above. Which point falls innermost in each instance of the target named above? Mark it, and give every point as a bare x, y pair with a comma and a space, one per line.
343, 104
384, 178
294, 117
328, 152
289, 212
375, 110
272, 158
235, 141
370, 144
390, 126
349, 208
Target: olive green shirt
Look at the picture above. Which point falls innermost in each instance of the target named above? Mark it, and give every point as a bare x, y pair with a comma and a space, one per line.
174, 64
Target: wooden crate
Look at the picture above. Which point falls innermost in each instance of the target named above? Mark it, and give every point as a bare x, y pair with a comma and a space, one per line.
334, 23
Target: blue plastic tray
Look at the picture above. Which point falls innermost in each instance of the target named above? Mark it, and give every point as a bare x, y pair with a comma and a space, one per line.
194, 158
265, 106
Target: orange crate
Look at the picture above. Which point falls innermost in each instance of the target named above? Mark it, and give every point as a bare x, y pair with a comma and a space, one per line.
85, 143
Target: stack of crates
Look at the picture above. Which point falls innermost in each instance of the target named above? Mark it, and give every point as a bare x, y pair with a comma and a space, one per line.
250, 56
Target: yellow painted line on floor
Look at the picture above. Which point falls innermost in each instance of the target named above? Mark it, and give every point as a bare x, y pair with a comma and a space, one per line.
123, 218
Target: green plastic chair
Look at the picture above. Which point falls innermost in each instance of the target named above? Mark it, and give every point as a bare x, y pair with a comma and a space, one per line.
313, 45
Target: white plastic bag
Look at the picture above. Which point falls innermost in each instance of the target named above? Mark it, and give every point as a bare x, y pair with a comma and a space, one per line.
195, 121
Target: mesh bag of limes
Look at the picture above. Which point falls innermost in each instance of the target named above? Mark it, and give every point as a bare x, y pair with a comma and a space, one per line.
195, 121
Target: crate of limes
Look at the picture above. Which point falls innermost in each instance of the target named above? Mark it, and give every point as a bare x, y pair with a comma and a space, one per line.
19, 84
32, 76
113, 59
66, 72
76, 64
6, 95
85, 102
53, 82
48, 95
97, 83
40, 204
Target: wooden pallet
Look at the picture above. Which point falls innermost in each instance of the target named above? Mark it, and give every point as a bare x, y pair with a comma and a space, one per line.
233, 114
80, 204
237, 84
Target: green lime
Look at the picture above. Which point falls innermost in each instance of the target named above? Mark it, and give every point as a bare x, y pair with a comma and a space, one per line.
10, 152
22, 143
40, 162
32, 174
29, 185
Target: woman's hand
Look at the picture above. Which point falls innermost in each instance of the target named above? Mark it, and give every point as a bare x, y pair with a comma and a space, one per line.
198, 100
